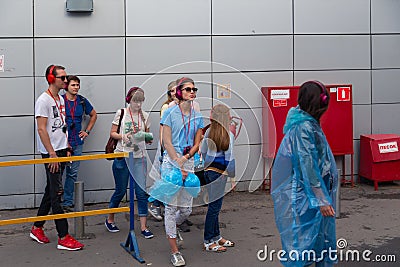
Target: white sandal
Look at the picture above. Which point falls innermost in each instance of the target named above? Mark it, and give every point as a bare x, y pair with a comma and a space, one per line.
227, 243
213, 247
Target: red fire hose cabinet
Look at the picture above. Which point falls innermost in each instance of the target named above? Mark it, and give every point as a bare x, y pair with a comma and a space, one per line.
380, 157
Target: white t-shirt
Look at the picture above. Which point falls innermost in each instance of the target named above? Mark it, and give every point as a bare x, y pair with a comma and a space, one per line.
46, 107
128, 130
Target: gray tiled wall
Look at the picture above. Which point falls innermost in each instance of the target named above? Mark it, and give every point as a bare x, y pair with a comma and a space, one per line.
166, 18
252, 17
246, 44
331, 17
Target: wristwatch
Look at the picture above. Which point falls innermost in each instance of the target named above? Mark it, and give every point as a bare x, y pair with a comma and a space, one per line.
88, 132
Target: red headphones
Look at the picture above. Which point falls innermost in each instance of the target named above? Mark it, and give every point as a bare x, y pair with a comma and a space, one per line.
50, 76
129, 94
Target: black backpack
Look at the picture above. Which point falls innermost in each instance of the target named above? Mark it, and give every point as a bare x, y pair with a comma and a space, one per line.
83, 103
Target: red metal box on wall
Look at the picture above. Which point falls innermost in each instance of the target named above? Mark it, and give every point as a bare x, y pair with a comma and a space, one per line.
379, 157
337, 122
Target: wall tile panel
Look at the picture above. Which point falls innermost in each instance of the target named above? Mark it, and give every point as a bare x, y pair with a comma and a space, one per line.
337, 17
254, 53
331, 52
252, 17
168, 55
52, 20
173, 17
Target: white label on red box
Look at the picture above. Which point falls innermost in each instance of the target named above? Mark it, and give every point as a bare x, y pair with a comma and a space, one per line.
343, 94
279, 103
388, 147
280, 94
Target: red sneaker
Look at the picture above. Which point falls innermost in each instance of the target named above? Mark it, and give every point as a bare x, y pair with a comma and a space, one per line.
69, 243
38, 235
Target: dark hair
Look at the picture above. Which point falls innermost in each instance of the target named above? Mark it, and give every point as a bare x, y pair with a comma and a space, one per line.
54, 71
313, 98
73, 78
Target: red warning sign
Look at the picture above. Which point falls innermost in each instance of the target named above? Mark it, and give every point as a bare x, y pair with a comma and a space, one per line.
343, 94
279, 103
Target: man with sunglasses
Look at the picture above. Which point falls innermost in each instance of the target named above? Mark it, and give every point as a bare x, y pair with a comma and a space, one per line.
52, 143
76, 108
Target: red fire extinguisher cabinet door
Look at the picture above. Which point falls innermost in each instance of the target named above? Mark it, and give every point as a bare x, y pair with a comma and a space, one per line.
337, 122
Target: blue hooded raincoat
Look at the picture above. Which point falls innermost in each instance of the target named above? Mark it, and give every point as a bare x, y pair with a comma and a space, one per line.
304, 178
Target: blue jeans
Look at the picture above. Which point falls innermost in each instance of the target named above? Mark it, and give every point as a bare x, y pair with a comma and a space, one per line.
215, 186
71, 176
121, 178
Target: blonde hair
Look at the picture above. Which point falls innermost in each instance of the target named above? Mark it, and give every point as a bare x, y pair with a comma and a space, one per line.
169, 96
219, 128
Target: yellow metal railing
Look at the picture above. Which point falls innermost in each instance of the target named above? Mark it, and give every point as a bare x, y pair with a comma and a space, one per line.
64, 215
63, 159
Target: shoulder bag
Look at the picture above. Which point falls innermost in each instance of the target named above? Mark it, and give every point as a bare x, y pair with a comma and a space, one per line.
112, 143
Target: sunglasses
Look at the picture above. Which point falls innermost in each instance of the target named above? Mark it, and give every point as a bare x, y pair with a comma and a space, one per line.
189, 89
62, 77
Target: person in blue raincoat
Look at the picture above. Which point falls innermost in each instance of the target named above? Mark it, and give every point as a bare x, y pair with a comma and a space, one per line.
304, 183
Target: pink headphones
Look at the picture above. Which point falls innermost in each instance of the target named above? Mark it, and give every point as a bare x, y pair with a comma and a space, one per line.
178, 93
323, 96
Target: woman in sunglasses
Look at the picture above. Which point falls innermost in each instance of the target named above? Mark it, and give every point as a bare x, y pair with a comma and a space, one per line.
195, 105
181, 135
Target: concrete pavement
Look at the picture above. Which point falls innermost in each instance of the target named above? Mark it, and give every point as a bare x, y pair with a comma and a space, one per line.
370, 221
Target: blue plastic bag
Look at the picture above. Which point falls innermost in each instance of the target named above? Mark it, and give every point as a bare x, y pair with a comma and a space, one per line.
171, 182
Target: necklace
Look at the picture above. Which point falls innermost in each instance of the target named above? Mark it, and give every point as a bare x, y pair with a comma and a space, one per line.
59, 108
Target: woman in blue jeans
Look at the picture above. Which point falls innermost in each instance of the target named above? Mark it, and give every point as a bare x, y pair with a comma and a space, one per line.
219, 163
132, 137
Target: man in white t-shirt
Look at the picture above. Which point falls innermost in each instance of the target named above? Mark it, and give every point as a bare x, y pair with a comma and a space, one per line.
52, 142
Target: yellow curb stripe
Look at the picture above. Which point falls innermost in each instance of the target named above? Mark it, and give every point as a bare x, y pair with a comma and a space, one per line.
63, 159
64, 215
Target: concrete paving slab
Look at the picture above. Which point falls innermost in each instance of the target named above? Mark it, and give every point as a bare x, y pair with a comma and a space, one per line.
369, 220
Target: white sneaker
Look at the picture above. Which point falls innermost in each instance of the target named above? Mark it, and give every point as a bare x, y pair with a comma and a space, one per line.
155, 212
177, 259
